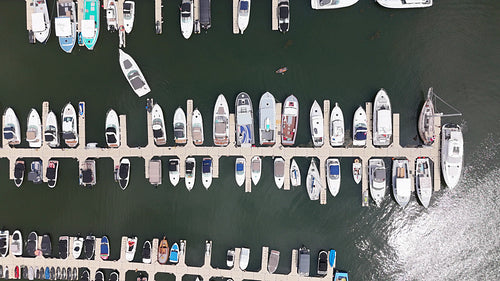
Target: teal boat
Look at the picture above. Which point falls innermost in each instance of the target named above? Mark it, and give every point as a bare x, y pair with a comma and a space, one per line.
341, 276
90, 23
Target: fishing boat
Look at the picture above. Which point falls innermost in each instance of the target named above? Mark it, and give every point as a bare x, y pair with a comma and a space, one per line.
11, 129
206, 172
63, 246
221, 122
173, 171
256, 169
19, 169
77, 247
163, 251
289, 120
111, 15
359, 127
452, 146
377, 177
112, 129
279, 172
180, 125
186, 18
322, 262
283, 15
426, 128
333, 175
244, 258
155, 172
336, 126
357, 170
313, 181
382, 119
65, 24
341, 276
34, 131
90, 23
230, 258
332, 4
40, 21
243, 14
122, 174
239, 170
316, 124
128, 15
304, 261
295, 178
281, 70
131, 247
69, 126
51, 132
274, 259
87, 173
146, 252
16, 245
158, 124
52, 169
205, 14
99, 276
423, 181
197, 128
190, 172
244, 120
174, 253
403, 4
89, 247
104, 248
36, 173
401, 182
332, 258
267, 119
46, 246
4, 242
133, 74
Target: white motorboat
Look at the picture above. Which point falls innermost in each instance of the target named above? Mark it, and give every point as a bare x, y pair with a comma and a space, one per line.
51, 173
316, 124
336, 126
133, 74
51, 130
77, 247
190, 172
256, 168
111, 15
180, 125
69, 126
146, 253
244, 258
357, 170
206, 172
230, 258
295, 178
401, 182
382, 119
426, 127
279, 172
289, 120
274, 258
123, 173
359, 127
221, 122
283, 15
197, 128
239, 170
186, 18
158, 124
131, 247
173, 171
331, 4
19, 170
4, 242
423, 181
333, 175
112, 129
34, 131
40, 21
11, 129
87, 173
128, 15
452, 146
65, 24
267, 119
16, 245
243, 14
313, 181
377, 177
244, 120
402, 4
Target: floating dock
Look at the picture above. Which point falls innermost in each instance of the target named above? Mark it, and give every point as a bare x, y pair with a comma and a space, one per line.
274, 14
236, 29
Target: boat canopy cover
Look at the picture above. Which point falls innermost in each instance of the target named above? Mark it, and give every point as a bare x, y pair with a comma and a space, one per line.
283, 12
51, 173
123, 172
88, 28
186, 9
157, 133
172, 166
8, 133
334, 169
63, 27
207, 163
239, 167
19, 170
244, 5
68, 136
360, 133
155, 172
379, 175
135, 80
110, 138
87, 176
38, 22
384, 121
49, 136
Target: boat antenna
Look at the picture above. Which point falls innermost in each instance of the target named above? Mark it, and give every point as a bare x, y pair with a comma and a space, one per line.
457, 112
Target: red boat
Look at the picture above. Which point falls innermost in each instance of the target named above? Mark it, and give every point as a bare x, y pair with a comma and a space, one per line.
282, 70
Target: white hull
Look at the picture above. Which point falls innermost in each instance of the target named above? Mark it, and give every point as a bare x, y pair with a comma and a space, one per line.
295, 178
180, 125
173, 171
197, 128
11, 130
279, 172
69, 126
240, 175
77, 247
333, 175
207, 172
426, 127
244, 258
123, 179
243, 15
267, 119
51, 130
401, 182
40, 21
221, 122
336, 126
289, 120
357, 170
34, 132
4, 235
377, 177
398, 4
316, 123
190, 175
186, 18
313, 181
382, 119
359, 127
256, 167
111, 15
332, 4
133, 74
112, 129
131, 247
423, 181
159, 133
128, 15
53, 168
452, 145
244, 120
16, 244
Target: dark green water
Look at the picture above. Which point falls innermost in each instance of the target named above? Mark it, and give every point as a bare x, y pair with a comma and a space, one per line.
345, 56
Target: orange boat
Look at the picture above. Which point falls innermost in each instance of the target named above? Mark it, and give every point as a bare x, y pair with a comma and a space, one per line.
282, 70
163, 251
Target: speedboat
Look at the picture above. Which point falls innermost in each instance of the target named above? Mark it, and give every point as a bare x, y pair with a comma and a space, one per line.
274, 259
313, 181
221, 122
331, 4
99, 276
63, 247
51, 132
256, 168
357, 170
267, 119
316, 123
401, 182
239, 170
289, 120
34, 131
244, 120
180, 125
295, 178
382, 119
359, 127
322, 262
19, 169
244, 258
87, 173
133, 74
16, 245
402, 4
146, 252
332, 258
131, 247
304, 261
111, 15
11, 129
112, 129
243, 14
341, 276
158, 123
197, 128
65, 24
173, 171
163, 251
40, 21
426, 128
36, 173
51, 173
206, 172
190, 172
32, 244
186, 18
283, 15
77, 247
104, 248
46, 246
230, 258
174, 253
123, 173
279, 172
423, 181
89, 247
452, 146
90, 23
4, 242
336, 126
128, 15
377, 179
333, 175
69, 126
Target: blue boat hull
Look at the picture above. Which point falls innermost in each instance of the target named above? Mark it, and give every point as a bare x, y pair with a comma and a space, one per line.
67, 43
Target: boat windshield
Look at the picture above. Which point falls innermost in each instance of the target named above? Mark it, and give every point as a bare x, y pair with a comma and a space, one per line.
172, 166
135, 79
186, 9
189, 167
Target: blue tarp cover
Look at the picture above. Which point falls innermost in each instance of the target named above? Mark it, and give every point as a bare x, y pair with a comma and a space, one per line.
244, 5
239, 167
334, 169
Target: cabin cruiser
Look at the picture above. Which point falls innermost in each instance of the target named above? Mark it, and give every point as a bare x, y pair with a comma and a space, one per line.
89, 247
333, 175
19, 169
158, 124
133, 74
34, 131
423, 181
295, 178
377, 177
256, 169
221, 122
111, 15
174, 171
11, 129
112, 129
206, 172
402, 4
304, 261
197, 128
146, 252
87, 173
186, 18
51, 173
289, 120
65, 24
77, 247
283, 15
190, 172
69, 126
243, 14
128, 15
244, 258
382, 119
131, 247
313, 181
63, 246
36, 173
452, 146
426, 127
244, 120
359, 127
336, 126
180, 125
401, 182
316, 124
123, 173
40, 21
331, 4
279, 171
51, 132
239, 170
267, 119
90, 23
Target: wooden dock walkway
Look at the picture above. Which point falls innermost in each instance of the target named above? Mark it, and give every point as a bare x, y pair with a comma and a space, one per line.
236, 29
274, 14
79, 7
29, 11
158, 17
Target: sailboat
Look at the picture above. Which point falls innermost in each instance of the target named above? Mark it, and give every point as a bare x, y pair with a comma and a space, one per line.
313, 181
295, 178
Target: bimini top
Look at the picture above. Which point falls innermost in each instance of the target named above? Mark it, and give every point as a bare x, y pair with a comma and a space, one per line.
88, 28
63, 26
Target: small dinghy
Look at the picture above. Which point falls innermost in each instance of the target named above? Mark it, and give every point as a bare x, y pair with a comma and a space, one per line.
336, 126
47, 273
316, 123
77, 247
180, 125
173, 171
4, 242
63, 273
123, 173
322, 262
70, 276
186, 19
333, 175
313, 181
89, 247
256, 168
63, 247
34, 131
158, 124
279, 172
174, 253
243, 15
99, 276
206, 172
401, 182
230, 258
19, 169
163, 251
239, 171
357, 170
274, 259
69, 126
133, 74
16, 245
46, 246
146, 252
244, 258
75, 273
112, 129
359, 127
197, 128
53, 273
295, 178
17, 274
51, 132
11, 129
128, 15
423, 181
131, 247
52, 169
377, 177
104, 248
36, 173
190, 172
